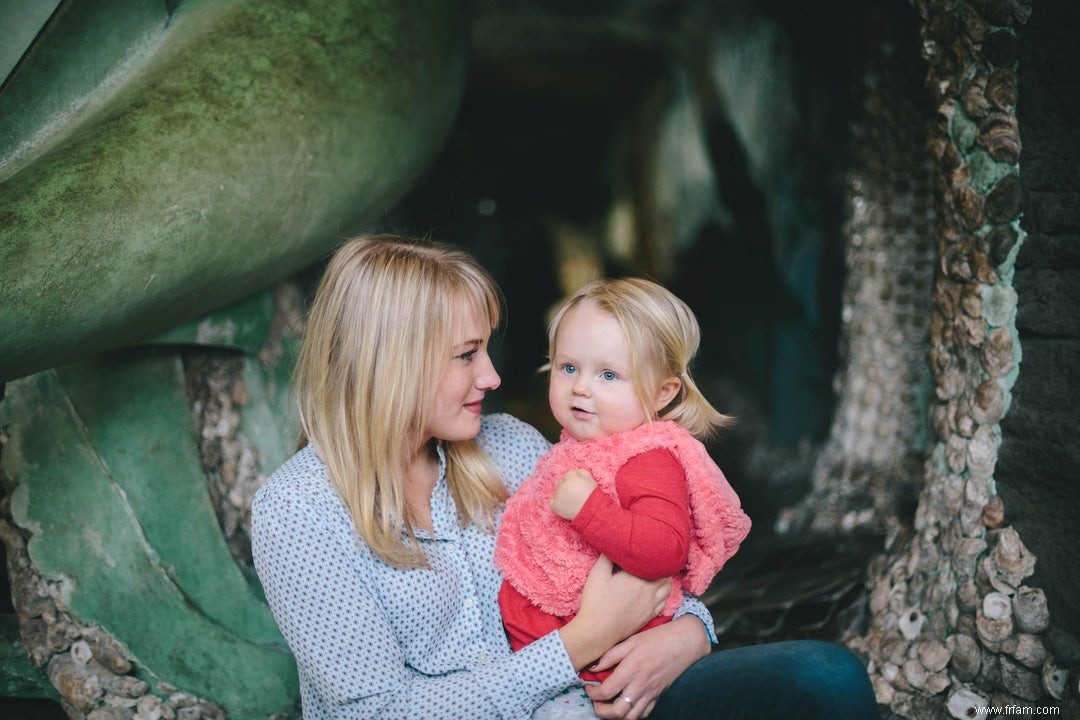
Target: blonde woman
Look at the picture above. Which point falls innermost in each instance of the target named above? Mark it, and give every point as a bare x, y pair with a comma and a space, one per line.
374, 542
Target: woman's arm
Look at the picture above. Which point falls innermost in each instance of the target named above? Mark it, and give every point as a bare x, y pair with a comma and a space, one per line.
613, 606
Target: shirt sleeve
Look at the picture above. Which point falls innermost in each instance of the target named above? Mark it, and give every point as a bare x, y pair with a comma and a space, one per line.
647, 531
316, 583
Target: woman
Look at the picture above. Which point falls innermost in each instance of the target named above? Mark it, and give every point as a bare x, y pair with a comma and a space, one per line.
374, 542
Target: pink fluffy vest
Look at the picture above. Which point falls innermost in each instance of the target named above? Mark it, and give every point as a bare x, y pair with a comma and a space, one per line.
547, 561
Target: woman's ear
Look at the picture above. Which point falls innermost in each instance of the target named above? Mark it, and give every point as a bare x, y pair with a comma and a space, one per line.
668, 391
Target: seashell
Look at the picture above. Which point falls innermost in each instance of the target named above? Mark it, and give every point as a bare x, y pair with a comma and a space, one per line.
970, 330
914, 673
1000, 242
883, 690
982, 269
950, 158
937, 683
997, 352
1006, 200
890, 672
1026, 648
1001, 89
879, 597
960, 176
107, 651
966, 657
999, 134
997, 606
933, 655
910, 622
81, 653
1031, 613
973, 98
949, 385
982, 452
975, 27
1019, 680
988, 403
971, 520
1000, 49
1054, 679
1012, 560
970, 205
993, 512
79, 688
956, 453
966, 704
953, 492
960, 417
992, 632
941, 357
149, 708
954, 260
971, 300
968, 552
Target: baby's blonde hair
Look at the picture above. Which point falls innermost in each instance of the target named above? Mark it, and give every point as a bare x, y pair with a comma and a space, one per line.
663, 337
377, 340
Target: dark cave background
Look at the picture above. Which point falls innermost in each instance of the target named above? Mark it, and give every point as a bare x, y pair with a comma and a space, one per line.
539, 137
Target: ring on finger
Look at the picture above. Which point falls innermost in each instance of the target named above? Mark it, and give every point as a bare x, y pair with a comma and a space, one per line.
628, 701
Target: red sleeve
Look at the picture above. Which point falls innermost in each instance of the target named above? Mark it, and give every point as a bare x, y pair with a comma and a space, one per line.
649, 534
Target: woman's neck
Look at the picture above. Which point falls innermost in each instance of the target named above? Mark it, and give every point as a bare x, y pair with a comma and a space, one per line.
420, 480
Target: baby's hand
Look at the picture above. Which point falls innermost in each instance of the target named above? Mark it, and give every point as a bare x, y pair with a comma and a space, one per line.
572, 492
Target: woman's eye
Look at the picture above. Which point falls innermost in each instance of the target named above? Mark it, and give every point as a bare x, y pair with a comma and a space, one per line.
467, 355
609, 376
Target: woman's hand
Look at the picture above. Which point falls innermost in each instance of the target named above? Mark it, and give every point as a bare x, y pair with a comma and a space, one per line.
571, 493
645, 666
614, 605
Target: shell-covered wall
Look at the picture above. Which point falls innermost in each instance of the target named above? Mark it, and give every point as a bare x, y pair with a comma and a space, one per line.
955, 623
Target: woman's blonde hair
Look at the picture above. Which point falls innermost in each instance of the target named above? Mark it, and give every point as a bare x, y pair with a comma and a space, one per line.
377, 341
663, 337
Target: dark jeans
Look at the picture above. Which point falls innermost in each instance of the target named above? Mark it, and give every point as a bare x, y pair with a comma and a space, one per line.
803, 679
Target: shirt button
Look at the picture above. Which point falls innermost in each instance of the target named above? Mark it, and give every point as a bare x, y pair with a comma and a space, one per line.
469, 602
482, 657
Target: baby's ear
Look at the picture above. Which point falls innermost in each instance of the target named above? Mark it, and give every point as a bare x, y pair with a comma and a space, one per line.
669, 390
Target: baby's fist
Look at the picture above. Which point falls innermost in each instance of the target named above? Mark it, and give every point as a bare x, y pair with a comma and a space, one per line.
572, 492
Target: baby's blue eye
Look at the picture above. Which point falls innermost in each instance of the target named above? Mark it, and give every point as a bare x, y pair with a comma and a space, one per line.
569, 369
609, 376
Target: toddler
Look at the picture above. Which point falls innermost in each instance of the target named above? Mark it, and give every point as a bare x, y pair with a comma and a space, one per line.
628, 478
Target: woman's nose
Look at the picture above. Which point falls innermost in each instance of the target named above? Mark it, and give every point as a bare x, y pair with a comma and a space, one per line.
488, 378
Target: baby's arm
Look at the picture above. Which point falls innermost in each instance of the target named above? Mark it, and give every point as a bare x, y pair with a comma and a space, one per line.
649, 534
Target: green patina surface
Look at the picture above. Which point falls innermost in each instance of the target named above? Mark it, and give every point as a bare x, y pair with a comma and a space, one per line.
235, 143
109, 485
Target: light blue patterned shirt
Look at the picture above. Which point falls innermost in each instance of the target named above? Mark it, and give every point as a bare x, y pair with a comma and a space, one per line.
375, 641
